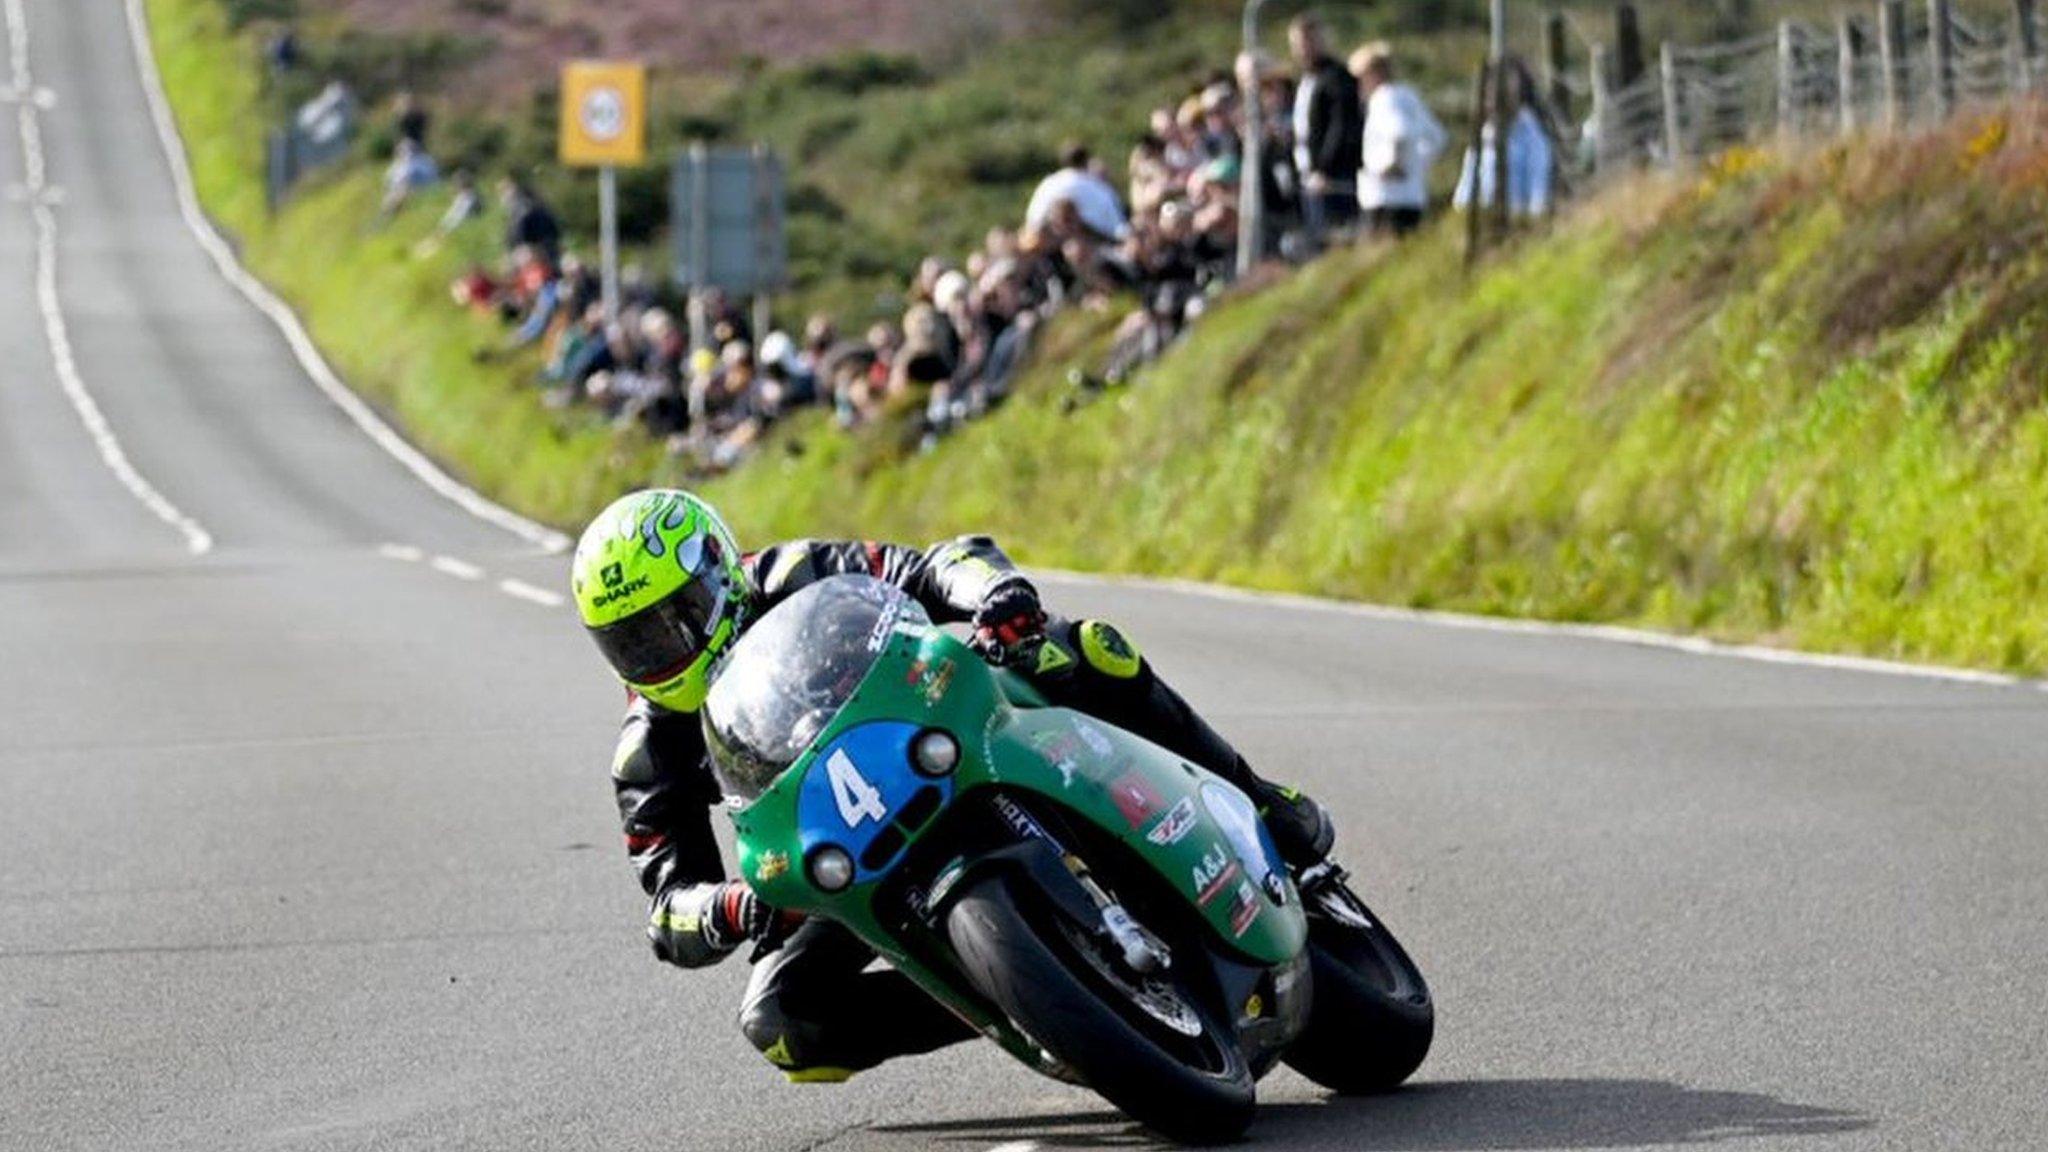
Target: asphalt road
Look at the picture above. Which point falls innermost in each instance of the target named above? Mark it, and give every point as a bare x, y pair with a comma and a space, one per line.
306, 840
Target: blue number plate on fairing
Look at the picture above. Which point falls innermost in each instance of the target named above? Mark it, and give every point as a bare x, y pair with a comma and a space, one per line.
857, 786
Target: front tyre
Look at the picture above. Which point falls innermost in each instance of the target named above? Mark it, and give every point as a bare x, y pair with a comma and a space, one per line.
1150, 1046
1372, 1019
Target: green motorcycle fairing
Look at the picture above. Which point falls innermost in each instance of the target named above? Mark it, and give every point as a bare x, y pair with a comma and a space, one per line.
852, 786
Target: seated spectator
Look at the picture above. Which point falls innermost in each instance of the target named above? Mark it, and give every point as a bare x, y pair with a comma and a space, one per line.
477, 291
786, 381
411, 170
1077, 184
465, 205
528, 222
1402, 140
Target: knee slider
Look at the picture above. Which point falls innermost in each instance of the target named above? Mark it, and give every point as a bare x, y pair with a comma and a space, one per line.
787, 1044
1108, 651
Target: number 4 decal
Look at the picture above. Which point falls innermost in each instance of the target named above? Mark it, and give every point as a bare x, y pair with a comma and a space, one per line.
857, 799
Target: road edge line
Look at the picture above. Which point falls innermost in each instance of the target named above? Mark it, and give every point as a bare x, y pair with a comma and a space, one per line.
50, 302
1603, 633
288, 323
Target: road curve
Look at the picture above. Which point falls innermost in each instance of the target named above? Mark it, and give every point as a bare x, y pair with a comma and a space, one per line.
306, 843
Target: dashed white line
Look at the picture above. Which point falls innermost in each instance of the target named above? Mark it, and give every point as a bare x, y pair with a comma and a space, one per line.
464, 570
50, 302
521, 590
295, 334
460, 569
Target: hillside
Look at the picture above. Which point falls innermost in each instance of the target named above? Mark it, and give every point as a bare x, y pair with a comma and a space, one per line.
1793, 398
1796, 399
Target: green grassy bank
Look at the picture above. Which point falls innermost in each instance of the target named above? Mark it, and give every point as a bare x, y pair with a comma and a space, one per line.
1790, 399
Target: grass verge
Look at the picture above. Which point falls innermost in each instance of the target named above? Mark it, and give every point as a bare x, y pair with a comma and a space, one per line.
1790, 399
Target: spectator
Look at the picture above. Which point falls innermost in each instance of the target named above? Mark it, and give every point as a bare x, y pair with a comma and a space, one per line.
1529, 156
410, 120
411, 170
1076, 183
466, 205
1329, 130
282, 53
528, 222
1402, 140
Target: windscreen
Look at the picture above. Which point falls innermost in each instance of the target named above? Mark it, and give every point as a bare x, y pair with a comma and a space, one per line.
792, 672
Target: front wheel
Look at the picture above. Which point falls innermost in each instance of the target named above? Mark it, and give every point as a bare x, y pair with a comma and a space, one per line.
1372, 1019
1148, 1045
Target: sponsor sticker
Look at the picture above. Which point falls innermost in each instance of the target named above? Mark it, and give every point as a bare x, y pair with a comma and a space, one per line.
769, 865
931, 680
885, 624
1174, 827
1245, 910
1095, 738
1212, 874
1136, 799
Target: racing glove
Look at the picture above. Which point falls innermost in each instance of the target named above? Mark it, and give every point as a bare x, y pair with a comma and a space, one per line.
738, 915
1010, 618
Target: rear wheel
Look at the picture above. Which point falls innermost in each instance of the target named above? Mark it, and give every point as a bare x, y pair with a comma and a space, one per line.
1372, 1019
1149, 1045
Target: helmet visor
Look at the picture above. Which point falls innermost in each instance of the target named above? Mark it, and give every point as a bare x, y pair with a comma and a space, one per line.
657, 643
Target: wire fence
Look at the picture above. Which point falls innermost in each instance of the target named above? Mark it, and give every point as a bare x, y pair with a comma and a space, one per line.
1893, 68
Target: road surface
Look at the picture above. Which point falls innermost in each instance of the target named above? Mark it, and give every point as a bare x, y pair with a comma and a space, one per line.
306, 840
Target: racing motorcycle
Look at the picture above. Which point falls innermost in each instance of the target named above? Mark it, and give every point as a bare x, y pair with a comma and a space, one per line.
1108, 913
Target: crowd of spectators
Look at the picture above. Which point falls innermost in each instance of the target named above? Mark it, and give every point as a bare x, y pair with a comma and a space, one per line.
1346, 150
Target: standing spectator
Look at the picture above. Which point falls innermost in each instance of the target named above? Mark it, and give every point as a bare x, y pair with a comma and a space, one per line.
1076, 183
528, 222
411, 120
1402, 140
282, 53
1529, 155
1329, 130
467, 204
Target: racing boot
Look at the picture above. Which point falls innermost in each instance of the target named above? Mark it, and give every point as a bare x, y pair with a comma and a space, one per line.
1302, 828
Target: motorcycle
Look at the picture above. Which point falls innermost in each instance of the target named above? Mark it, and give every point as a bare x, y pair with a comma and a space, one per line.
1108, 913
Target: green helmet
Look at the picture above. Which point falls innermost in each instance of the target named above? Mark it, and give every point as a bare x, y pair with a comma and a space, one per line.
660, 586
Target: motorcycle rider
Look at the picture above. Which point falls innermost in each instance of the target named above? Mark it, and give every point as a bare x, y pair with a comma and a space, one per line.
664, 589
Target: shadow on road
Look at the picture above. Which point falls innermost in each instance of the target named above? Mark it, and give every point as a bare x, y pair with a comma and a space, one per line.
1471, 1114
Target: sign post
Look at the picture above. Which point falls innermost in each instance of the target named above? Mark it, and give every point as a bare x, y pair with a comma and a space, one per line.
604, 126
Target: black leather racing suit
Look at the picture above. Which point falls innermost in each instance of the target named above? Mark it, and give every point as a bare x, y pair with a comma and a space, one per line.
811, 1008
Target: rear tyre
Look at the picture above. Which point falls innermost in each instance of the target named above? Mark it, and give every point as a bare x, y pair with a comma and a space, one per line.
1372, 1019
1153, 1048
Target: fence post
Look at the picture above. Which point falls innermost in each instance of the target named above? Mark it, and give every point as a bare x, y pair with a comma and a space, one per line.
1603, 109
1554, 65
1845, 71
1674, 124
1628, 48
1475, 227
1788, 81
1506, 109
1941, 48
1891, 19
2027, 26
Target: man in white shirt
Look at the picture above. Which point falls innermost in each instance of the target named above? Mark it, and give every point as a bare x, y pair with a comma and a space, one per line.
1402, 140
1078, 184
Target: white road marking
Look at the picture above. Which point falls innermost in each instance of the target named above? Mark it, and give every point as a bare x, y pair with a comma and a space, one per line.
464, 570
521, 590
303, 348
55, 332
1607, 633
1016, 1146
460, 569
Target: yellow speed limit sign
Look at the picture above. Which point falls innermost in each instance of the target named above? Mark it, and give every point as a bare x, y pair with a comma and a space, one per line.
604, 114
